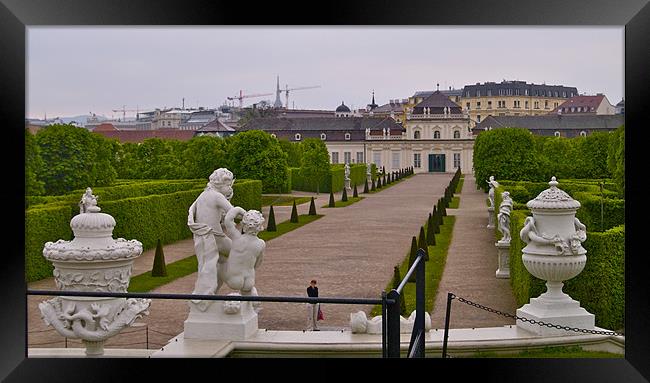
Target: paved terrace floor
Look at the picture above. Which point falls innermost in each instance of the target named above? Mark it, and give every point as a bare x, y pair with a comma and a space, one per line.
470, 269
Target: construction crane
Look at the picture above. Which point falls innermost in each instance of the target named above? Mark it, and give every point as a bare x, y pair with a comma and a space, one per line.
124, 110
241, 97
287, 90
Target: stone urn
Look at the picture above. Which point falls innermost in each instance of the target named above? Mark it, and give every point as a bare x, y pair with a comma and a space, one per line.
92, 261
554, 253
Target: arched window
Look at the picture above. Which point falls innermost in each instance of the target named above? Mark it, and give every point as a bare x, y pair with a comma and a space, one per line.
416, 135
347, 136
297, 136
323, 136
557, 134
583, 133
436, 134
273, 135
456, 133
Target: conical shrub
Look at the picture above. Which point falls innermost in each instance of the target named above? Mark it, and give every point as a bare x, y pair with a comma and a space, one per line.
332, 203
373, 185
412, 255
271, 225
422, 243
365, 186
312, 207
344, 196
355, 194
397, 279
431, 238
159, 268
294, 213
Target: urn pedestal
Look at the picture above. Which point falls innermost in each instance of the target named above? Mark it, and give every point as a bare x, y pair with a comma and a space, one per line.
503, 251
490, 224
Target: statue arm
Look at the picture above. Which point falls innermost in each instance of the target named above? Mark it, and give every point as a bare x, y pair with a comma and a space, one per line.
229, 222
260, 256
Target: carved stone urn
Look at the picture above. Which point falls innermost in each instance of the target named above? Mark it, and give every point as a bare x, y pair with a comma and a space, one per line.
92, 261
554, 253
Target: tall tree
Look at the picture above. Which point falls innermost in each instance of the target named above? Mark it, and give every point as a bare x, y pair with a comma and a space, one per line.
203, 155
33, 164
293, 151
315, 162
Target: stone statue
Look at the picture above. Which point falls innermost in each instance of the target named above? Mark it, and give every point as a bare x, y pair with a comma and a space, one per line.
369, 169
493, 185
246, 251
361, 324
347, 171
88, 202
504, 216
204, 220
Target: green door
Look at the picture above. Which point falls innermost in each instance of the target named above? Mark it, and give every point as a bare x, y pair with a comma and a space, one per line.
436, 162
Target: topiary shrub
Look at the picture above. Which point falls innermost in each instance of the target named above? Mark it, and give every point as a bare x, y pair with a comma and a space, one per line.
344, 196
294, 213
431, 238
271, 225
355, 194
413, 253
422, 243
312, 207
365, 186
159, 268
397, 279
332, 203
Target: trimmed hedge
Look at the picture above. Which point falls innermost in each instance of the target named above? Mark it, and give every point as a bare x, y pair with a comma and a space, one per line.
145, 218
335, 181
600, 287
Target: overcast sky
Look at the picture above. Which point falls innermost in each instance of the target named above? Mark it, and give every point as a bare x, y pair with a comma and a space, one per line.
77, 70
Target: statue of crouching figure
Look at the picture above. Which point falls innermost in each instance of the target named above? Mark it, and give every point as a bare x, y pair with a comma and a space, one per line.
246, 252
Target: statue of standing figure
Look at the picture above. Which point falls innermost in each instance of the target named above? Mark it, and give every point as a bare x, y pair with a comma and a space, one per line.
493, 185
504, 217
224, 256
347, 176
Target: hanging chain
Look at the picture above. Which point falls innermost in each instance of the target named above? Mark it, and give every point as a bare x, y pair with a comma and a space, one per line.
533, 321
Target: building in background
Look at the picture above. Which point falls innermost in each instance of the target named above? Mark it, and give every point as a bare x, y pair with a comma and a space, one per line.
598, 104
558, 125
215, 128
512, 98
620, 107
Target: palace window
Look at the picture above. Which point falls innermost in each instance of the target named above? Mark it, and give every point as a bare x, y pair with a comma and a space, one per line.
467, 105
557, 134
347, 136
478, 105
526, 104
478, 93
395, 161
347, 157
545, 104
517, 104
360, 159
489, 92
456, 133
489, 105
323, 136
436, 134
416, 135
297, 136
526, 92
417, 160
583, 133
536, 104
335, 157
564, 94
478, 118
376, 158
456, 160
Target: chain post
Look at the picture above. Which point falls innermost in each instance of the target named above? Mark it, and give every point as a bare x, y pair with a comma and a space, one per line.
450, 296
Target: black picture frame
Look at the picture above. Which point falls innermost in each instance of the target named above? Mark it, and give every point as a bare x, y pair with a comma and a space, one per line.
16, 15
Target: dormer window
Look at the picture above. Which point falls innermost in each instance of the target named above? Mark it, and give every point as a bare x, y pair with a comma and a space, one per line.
347, 136
557, 134
436, 134
583, 133
416, 135
323, 136
456, 133
297, 137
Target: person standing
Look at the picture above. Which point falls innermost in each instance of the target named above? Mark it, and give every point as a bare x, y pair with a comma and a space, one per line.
312, 291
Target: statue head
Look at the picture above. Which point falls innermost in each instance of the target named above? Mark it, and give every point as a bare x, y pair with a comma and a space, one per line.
252, 222
222, 180
491, 178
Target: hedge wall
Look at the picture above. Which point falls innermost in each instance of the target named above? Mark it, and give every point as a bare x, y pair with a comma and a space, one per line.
145, 218
335, 181
600, 287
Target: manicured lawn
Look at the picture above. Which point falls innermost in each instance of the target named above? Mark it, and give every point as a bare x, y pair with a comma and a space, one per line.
389, 185
283, 200
454, 203
145, 282
339, 203
459, 188
287, 226
433, 270
550, 352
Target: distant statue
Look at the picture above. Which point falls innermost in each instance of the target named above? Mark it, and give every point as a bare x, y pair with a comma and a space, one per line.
88, 203
347, 171
504, 216
246, 251
493, 185
204, 220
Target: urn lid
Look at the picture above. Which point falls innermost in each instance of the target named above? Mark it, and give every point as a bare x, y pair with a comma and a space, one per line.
90, 222
553, 198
